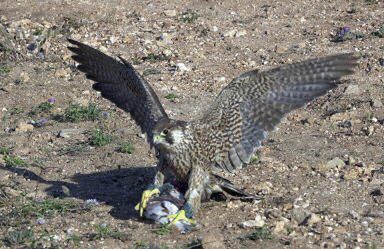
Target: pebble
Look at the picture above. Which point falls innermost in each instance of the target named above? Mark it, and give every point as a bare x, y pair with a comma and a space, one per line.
62, 73
24, 127
11, 192
300, 215
213, 240
279, 227
352, 90
376, 103
170, 13
313, 219
335, 163
214, 29
182, 67
257, 222
66, 133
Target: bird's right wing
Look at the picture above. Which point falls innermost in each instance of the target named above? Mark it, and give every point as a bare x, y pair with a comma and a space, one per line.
255, 102
121, 84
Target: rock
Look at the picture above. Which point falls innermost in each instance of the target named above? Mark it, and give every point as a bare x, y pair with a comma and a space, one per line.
66, 133
170, 13
257, 222
182, 67
24, 127
376, 103
11, 192
62, 73
279, 227
165, 39
313, 219
214, 29
230, 33
24, 77
300, 215
354, 214
335, 163
240, 33
352, 90
66, 190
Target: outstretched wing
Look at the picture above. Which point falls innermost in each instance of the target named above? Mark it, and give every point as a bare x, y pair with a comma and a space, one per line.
121, 84
255, 102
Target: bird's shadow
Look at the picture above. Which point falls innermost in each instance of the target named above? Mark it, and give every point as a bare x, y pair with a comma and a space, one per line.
119, 188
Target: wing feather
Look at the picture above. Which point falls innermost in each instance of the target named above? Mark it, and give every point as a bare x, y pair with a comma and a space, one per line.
255, 102
121, 84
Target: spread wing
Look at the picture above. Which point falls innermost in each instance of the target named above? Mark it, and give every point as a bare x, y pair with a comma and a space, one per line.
121, 84
255, 102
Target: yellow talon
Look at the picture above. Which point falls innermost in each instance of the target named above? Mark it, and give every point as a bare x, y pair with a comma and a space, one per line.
147, 194
180, 216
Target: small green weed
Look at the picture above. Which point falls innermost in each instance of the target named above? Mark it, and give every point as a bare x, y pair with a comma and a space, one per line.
4, 69
38, 31
189, 16
150, 71
379, 33
19, 237
163, 229
47, 208
14, 161
73, 149
155, 57
171, 96
146, 245
43, 107
127, 148
257, 234
104, 231
5, 151
99, 138
76, 113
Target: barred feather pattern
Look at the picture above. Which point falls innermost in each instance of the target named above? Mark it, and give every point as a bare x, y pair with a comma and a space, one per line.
255, 102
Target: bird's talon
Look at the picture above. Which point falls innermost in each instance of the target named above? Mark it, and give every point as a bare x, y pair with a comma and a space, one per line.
147, 194
181, 215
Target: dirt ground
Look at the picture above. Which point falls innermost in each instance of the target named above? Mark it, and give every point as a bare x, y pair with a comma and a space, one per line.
63, 185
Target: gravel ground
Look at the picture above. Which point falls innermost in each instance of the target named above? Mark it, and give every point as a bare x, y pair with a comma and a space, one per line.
72, 165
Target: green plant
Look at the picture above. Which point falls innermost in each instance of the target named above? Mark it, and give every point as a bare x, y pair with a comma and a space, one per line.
19, 237
99, 138
189, 16
150, 71
104, 231
379, 33
43, 107
4, 151
73, 149
14, 161
4, 69
163, 230
127, 148
47, 208
76, 113
171, 96
155, 57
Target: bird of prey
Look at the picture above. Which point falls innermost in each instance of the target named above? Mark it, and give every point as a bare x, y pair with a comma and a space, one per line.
229, 132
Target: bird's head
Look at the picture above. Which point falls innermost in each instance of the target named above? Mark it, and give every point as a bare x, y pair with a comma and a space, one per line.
169, 133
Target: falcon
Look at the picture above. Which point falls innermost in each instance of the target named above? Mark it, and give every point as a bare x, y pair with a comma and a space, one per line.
227, 134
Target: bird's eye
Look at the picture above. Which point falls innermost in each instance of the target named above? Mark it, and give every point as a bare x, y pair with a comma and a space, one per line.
165, 131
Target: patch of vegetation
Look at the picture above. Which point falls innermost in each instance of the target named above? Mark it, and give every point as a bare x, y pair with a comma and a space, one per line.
345, 34
76, 113
38, 31
47, 208
194, 244
189, 16
258, 234
146, 245
5, 151
100, 138
163, 230
73, 149
379, 33
14, 161
127, 148
150, 71
155, 57
19, 237
75, 239
4, 69
43, 107
104, 231
171, 96
255, 159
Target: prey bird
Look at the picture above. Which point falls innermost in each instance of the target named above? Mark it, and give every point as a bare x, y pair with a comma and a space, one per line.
228, 133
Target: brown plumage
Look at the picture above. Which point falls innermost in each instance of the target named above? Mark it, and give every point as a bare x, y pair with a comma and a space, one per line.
230, 131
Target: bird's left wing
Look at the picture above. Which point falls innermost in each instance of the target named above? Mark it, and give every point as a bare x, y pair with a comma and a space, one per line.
255, 102
121, 84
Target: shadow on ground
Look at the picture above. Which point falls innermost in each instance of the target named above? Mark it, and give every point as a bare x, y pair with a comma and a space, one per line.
120, 188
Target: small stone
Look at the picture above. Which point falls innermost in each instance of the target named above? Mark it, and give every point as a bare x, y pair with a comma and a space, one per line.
354, 214
167, 53
170, 13
24, 77
240, 33
113, 39
230, 33
257, 222
66, 190
66, 133
352, 90
335, 163
376, 103
300, 215
214, 29
165, 39
351, 160
62, 73
24, 127
352, 174
313, 219
182, 67
11, 192
279, 227
213, 240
